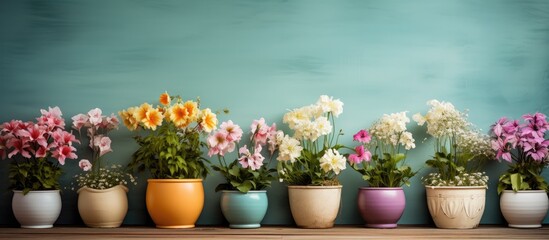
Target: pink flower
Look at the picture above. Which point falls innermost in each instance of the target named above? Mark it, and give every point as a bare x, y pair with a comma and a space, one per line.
103, 143
51, 118
41, 152
63, 152
260, 131
112, 122
233, 131
19, 146
61, 137
85, 165
78, 121
12, 126
501, 146
360, 155
95, 116
218, 141
256, 159
34, 133
535, 124
362, 136
244, 156
537, 150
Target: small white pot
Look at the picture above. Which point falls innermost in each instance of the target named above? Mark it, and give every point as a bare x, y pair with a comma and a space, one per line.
36, 209
524, 209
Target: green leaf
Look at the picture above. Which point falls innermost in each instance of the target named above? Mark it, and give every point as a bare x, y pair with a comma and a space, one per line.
516, 181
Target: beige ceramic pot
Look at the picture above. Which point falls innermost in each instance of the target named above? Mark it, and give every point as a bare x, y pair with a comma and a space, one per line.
314, 206
456, 207
103, 208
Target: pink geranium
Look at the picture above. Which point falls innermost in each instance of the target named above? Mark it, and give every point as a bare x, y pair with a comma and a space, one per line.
360, 155
362, 136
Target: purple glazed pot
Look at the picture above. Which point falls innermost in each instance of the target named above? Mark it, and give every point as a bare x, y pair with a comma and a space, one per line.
381, 207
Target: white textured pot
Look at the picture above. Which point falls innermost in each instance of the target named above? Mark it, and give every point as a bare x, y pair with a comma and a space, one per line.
36, 209
314, 206
103, 208
456, 207
524, 209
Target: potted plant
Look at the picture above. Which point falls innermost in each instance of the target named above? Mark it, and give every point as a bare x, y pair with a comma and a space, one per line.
456, 191
382, 203
34, 177
102, 199
244, 198
523, 190
171, 151
309, 161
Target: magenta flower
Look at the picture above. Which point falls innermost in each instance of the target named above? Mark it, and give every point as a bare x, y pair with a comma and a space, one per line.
501, 146
360, 155
535, 124
536, 150
362, 136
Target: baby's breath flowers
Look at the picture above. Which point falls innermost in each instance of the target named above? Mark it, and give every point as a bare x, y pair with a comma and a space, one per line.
460, 149
105, 178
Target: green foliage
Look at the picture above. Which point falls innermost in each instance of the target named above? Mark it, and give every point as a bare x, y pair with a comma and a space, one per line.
244, 179
456, 170
306, 170
523, 175
36, 174
388, 171
170, 153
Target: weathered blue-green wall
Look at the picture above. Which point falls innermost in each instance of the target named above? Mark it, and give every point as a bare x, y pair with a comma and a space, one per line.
260, 58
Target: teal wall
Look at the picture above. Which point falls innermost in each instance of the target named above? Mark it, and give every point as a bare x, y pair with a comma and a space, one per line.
260, 58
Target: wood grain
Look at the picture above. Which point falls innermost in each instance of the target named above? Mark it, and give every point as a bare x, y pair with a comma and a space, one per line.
276, 232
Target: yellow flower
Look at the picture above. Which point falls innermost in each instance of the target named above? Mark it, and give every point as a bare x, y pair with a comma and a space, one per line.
192, 110
165, 99
179, 115
129, 119
209, 120
153, 118
142, 112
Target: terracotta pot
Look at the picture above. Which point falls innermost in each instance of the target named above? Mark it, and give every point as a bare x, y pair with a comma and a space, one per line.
103, 208
524, 209
314, 206
175, 203
456, 207
381, 207
244, 210
36, 209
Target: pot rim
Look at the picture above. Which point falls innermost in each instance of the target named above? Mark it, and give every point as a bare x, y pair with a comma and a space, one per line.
456, 187
37, 191
251, 191
524, 191
174, 180
380, 188
314, 187
102, 190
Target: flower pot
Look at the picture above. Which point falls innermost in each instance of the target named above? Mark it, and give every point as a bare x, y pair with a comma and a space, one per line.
244, 210
381, 207
103, 208
36, 209
456, 207
175, 203
314, 206
524, 209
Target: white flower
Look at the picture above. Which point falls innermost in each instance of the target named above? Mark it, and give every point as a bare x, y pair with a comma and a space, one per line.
407, 140
289, 149
327, 104
322, 126
333, 161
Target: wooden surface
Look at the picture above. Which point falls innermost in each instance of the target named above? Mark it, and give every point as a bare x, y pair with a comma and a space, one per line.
274, 232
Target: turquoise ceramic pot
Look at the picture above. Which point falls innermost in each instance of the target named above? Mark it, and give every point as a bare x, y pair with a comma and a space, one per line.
244, 210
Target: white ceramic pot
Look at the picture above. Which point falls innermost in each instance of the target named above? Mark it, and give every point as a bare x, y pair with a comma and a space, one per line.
456, 207
36, 209
103, 208
524, 209
314, 206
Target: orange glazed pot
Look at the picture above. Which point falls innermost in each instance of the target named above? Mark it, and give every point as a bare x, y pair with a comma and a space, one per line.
175, 203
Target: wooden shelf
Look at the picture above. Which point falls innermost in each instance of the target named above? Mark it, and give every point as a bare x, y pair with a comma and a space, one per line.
277, 232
